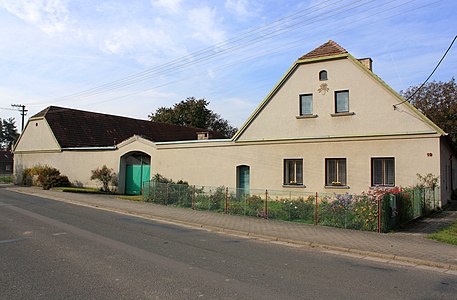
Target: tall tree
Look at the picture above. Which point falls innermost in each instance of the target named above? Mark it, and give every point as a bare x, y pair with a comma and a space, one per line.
194, 113
438, 101
9, 133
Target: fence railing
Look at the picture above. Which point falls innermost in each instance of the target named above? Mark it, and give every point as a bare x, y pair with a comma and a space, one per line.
362, 212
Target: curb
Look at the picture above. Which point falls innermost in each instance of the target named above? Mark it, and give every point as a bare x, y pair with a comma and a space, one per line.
356, 253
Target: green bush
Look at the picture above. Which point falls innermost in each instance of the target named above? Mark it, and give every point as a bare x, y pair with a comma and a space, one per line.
46, 177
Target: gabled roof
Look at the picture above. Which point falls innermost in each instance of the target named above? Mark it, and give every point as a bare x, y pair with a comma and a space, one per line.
328, 49
77, 128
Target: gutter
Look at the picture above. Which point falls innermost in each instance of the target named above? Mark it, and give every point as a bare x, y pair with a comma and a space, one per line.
193, 141
101, 148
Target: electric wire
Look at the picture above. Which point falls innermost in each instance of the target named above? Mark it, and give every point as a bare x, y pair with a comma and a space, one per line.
172, 67
431, 74
288, 46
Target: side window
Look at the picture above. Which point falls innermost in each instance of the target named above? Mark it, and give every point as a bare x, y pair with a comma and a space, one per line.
341, 101
323, 75
335, 172
306, 104
383, 171
293, 172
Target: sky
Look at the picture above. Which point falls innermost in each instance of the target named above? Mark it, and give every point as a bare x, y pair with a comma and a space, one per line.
131, 57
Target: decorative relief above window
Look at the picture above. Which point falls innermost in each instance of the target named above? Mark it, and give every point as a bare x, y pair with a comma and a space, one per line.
323, 88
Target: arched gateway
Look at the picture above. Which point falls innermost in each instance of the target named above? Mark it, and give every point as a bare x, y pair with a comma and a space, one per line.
137, 166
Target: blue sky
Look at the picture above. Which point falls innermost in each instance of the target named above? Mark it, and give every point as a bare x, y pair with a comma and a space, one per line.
131, 57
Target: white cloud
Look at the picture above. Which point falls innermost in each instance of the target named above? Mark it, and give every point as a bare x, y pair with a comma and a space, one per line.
241, 8
50, 16
170, 5
204, 24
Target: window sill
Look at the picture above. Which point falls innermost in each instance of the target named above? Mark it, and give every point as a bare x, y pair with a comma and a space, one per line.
337, 187
381, 187
306, 116
342, 114
293, 185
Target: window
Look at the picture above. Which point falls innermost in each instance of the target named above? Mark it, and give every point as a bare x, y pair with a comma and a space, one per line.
382, 171
323, 75
306, 104
341, 101
293, 172
335, 172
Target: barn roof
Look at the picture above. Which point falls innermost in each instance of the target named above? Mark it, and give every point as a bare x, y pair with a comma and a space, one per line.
77, 128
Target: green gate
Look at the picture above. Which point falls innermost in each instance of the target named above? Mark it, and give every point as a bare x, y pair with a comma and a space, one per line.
135, 175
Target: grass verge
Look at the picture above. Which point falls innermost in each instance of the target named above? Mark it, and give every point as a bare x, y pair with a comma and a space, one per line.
79, 190
446, 235
132, 198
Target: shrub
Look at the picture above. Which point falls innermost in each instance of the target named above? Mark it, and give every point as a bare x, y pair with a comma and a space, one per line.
105, 175
44, 176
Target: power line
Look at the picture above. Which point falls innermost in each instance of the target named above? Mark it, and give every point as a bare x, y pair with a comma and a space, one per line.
422, 85
289, 46
178, 63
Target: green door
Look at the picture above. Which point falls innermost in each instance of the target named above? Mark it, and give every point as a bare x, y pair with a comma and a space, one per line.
243, 179
135, 175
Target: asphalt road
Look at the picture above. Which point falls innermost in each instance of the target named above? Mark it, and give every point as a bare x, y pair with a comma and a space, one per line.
54, 250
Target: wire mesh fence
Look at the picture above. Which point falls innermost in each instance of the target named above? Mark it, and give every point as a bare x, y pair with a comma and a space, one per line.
372, 211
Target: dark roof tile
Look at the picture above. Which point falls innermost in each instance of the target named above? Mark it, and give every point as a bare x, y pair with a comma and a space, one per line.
76, 128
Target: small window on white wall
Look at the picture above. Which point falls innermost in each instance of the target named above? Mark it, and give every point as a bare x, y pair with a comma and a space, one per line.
341, 101
323, 75
306, 104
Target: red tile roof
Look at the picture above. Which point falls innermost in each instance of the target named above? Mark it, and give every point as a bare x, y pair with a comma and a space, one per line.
78, 128
328, 49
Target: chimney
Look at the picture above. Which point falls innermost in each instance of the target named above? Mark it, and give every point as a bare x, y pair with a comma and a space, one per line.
367, 62
203, 135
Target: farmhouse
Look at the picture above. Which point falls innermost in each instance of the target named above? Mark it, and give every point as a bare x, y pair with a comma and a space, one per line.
329, 125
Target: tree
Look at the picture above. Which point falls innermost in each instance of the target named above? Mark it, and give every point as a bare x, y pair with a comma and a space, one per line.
9, 133
194, 113
438, 101
105, 175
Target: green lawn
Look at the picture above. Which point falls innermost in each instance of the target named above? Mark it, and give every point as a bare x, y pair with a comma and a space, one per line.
78, 190
132, 198
446, 235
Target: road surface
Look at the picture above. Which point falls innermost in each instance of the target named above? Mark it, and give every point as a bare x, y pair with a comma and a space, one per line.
54, 250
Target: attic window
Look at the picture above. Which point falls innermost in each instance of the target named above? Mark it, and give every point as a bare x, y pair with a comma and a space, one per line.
36, 124
323, 75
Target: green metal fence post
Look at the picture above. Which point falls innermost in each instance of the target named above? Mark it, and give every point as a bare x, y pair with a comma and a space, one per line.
379, 214
316, 212
226, 200
193, 197
265, 215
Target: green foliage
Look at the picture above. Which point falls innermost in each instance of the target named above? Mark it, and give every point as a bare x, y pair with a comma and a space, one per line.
438, 101
6, 179
9, 134
106, 176
193, 113
446, 235
46, 177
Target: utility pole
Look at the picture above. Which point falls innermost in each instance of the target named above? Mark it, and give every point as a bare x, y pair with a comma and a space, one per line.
23, 112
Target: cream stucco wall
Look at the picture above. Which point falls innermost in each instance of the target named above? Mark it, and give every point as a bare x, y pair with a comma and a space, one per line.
214, 165
37, 136
371, 102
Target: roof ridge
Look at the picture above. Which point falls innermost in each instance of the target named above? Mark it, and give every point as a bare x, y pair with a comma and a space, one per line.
330, 48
